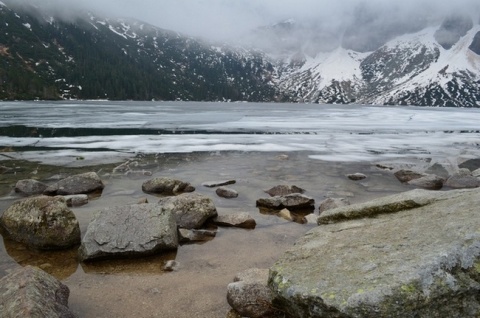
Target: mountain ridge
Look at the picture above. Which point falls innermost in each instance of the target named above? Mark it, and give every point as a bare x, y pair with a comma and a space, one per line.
93, 57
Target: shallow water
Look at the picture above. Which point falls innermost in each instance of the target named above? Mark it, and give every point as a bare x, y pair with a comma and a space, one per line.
141, 288
258, 145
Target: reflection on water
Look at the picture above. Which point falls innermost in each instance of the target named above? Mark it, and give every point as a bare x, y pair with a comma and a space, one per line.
60, 264
145, 265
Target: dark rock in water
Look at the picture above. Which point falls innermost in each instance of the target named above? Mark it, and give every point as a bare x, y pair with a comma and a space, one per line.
75, 200
281, 190
127, 231
191, 210
79, 184
421, 261
439, 170
249, 294
463, 179
242, 220
356, 176
291, 202
186, 236
30, 292
407, 175
332, 203
30, 187
226, 193
213, 184
429, 182
472, 164
42, 222
166, 186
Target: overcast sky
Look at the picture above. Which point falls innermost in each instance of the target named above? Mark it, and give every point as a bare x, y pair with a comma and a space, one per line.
220, 19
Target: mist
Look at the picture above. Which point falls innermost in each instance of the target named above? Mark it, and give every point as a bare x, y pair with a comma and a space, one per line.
230, 19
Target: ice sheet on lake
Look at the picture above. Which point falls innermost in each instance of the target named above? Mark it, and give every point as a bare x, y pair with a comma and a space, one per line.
327, 132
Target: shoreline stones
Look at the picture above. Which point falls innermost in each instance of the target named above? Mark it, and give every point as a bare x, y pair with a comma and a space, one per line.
28, 187
187, 236
295, 201
42, 222
166, 186
84, 183
282, 190
191, 210
226, 193
241, 220
131, 230
249, 294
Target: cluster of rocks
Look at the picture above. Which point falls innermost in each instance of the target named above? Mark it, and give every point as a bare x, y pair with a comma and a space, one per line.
413, 254
44, 221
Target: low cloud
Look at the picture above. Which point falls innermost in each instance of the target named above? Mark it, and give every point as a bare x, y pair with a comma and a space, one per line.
228, 19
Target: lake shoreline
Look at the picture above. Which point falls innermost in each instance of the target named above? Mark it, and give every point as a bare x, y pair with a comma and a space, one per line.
105, 288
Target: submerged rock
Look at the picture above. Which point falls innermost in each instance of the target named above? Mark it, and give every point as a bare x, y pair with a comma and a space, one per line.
407, 175
191, 210
42, 222
84, 183
166, 186
356, 176
187, 236
242, 220
415, 254
213, 184
30, 292
131, 230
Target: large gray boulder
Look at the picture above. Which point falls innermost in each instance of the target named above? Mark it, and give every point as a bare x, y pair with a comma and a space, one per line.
78, 184
28, 187
166, 186
42, 222
415, 254
131, 230
428, 182
30, 292
191, 210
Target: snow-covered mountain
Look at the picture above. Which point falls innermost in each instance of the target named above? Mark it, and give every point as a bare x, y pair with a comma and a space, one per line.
86, 56
435, 66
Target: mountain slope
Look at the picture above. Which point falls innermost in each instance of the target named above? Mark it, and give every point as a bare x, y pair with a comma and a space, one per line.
419, 68
97, 58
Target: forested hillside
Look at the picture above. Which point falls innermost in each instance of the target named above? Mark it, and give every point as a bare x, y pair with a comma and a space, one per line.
43, 57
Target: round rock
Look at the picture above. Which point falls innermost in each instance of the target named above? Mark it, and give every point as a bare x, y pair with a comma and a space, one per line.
42, 222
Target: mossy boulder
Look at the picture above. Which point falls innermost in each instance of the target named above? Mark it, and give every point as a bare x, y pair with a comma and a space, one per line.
415, 254
42, 222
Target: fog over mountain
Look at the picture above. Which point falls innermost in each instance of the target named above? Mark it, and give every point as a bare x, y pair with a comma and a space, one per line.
230, 19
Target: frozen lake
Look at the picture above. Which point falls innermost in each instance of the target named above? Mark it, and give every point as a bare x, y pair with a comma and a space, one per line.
45, 130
